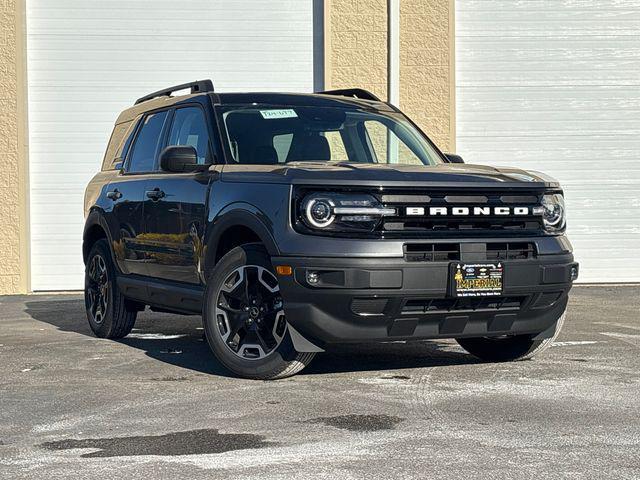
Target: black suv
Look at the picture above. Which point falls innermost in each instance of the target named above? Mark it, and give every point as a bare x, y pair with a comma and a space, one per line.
291, 222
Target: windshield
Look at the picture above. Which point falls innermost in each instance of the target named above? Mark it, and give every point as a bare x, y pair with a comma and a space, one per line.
275, 135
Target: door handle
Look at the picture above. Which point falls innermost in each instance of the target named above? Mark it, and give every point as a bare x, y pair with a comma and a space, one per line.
114, 195
155, 194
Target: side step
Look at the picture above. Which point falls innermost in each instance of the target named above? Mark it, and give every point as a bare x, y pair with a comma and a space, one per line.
179, 298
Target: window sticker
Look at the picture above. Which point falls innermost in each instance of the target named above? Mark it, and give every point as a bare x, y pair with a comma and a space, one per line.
274, 114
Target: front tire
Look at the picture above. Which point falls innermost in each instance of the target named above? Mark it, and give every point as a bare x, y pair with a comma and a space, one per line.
244, 319
505, 349
108, 312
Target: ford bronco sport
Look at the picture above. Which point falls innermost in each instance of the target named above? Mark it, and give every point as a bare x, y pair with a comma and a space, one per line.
292, 222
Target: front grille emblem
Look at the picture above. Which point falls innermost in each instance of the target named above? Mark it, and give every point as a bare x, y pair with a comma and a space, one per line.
471, 211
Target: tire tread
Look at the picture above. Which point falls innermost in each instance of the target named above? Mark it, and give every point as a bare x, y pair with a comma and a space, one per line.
122, 318
488, 349
287, 368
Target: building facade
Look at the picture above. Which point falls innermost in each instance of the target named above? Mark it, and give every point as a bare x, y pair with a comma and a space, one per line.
349, 40
549, 86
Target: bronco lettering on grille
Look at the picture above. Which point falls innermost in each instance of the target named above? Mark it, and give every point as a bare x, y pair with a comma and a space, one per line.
471, 211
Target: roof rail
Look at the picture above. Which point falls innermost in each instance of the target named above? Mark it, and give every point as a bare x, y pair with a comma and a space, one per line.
352, 92
198, 86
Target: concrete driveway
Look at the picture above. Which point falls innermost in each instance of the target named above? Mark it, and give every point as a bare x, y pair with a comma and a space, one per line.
157, 405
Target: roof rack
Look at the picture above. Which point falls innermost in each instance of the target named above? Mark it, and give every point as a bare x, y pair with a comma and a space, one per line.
198, 86
352, 92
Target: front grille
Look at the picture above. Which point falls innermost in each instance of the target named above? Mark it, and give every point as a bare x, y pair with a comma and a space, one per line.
442, 252
455, 225
443, 305
415, 225
431, 252
368, 306
510, 251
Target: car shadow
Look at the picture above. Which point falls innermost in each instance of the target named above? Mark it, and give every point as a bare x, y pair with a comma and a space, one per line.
179, 340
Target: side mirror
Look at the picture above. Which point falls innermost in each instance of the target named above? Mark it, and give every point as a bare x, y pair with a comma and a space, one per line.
180, 159
453, 158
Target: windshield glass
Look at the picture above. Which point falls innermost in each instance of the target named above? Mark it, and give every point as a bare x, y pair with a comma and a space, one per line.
275, 135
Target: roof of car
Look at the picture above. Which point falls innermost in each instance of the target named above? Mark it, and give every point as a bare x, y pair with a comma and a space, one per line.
321, 99
297, 99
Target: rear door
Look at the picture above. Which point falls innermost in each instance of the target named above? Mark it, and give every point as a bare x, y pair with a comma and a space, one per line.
175, 203
128, 195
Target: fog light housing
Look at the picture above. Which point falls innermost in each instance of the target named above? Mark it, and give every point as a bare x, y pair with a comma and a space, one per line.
575, 270
313, 278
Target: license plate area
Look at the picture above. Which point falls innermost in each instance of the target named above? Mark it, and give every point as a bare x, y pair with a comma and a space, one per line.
477, 279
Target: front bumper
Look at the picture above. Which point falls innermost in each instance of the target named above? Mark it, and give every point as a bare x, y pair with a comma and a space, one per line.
382, 299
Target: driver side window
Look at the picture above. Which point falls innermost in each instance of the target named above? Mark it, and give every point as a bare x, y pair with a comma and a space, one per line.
147, 143
189, 127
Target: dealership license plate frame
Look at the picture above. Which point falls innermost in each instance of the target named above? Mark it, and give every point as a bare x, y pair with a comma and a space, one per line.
473, 280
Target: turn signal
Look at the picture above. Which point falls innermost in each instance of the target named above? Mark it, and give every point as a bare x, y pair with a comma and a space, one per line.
284, 270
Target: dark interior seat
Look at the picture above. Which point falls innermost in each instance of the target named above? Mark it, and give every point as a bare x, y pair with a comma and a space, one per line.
307, 147
263, 155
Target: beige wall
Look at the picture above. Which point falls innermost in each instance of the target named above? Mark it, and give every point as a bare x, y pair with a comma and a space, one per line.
427, 86
13, 172
356, 46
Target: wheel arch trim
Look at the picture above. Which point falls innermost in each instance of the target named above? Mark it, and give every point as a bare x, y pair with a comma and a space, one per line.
234, 215
96, 219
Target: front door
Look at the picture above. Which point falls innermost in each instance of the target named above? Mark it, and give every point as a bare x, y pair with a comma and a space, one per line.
175, 205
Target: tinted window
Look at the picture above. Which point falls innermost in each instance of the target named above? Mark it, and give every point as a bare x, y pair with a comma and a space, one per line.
388, 148
127, 144
114, 149
282, 144
336, 146
190, 128
145, 148
323, 134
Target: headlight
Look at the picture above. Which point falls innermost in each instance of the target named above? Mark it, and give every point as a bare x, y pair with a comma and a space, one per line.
319, 212
342, 212
553, 212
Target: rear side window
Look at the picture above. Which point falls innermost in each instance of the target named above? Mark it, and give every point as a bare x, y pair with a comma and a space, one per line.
116, 143
146, 145
190, 128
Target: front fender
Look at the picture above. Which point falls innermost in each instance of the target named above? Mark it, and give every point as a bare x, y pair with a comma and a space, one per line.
238, 214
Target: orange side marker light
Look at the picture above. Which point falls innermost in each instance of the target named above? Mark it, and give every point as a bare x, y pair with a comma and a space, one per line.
284, 270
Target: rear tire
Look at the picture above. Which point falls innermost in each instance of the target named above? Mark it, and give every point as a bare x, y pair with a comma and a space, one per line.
506, 349
244, 319
108, 312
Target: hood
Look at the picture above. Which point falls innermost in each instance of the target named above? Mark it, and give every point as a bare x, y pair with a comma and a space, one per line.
368, 174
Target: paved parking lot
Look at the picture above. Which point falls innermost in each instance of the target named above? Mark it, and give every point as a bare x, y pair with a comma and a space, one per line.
157, 405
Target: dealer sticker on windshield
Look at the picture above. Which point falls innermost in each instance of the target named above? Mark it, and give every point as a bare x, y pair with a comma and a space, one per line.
282, 113
477, 280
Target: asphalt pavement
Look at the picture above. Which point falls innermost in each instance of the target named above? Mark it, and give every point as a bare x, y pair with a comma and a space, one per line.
157, 405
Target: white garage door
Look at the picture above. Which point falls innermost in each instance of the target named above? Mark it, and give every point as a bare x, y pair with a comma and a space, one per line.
89, 59
555, 86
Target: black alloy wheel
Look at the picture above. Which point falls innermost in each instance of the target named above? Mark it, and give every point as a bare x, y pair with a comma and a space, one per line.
97, 288
249, 312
